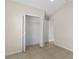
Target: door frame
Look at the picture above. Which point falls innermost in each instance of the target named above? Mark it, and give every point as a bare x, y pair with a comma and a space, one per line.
24, 30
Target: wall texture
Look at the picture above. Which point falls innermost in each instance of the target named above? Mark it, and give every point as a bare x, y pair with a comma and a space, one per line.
63, 27
13, 26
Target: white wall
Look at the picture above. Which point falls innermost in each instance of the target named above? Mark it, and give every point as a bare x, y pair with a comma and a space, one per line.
46, 30
63, 27
13, 26
51, 29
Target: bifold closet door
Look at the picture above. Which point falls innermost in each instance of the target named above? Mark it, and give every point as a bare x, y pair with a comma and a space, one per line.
32, 33
24, 34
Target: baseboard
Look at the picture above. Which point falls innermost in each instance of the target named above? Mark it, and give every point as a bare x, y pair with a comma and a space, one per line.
18, 51
13, 52
63, 47
51, 40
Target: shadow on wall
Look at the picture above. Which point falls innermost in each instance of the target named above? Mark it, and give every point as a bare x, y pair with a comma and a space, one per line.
46, 29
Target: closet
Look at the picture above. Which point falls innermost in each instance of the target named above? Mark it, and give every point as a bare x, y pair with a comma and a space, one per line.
32, 31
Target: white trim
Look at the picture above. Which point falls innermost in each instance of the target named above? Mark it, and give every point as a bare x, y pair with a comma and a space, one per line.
41, 29
13, 52
51, 40
63, 47
24, 33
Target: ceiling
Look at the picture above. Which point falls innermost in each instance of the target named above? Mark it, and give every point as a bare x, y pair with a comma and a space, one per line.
47, 5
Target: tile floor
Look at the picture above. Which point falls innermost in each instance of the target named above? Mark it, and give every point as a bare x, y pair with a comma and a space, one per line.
49, 51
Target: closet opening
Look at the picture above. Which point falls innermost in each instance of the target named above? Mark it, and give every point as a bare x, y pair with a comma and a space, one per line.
32, 31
